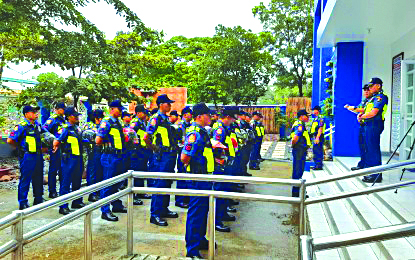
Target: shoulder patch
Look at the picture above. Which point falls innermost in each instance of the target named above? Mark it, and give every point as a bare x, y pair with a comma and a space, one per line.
219, 131
53, 116
49, 121
103, 124
16, 128
188, 148
153, 122
300, 128
379, 98
107, 118
60, 131
192, 138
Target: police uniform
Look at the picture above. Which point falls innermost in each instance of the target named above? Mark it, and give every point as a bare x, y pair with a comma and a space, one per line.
259, 131
247, 148
362, 146
164, 160
198, 146
72, 164
299, 150
53, 125
27, 137
318, 151
110, 130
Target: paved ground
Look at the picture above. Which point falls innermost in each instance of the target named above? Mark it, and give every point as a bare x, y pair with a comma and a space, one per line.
262, 230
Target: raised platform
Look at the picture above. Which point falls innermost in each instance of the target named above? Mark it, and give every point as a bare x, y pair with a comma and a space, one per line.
361, 213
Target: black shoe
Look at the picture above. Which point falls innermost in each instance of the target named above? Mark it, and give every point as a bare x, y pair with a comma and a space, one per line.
222, 228
248, 174
78, 205
204, 245
182, 205
316, 168
241, 186
262, 160
53, 195
143, 196
234, 203
372, 179
254, 168
38, 201
120, 210
109, 216
230, 209
23, 206
355, 168
93, 198
170, 214
297, 195
137, 202
228, 217
158, 221
194, 256
64, 211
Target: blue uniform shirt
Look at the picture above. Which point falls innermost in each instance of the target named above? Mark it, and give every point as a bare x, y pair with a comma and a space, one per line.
70, 130
105, 128
54, 123
219, 133
380, 101
154, 123
195, 142
19, 133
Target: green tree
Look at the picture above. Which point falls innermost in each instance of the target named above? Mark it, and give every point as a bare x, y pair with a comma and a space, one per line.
291, 23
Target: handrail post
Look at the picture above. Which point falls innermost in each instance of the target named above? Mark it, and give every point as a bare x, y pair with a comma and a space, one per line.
130, 231
88, 236
302, 208
212, 215
306, 248
18, 236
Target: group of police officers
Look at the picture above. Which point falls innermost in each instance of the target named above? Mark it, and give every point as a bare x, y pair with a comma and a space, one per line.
203, 142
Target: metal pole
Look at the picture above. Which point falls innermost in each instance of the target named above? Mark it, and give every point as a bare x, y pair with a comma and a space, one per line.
88, 236
306, 248
212, 214
302, 208
18, 236
130, 237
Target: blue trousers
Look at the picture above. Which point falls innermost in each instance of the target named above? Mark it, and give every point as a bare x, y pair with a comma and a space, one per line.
221, 204
31, 170
54, 169
362, 147
255, 154
113, 166
181, 184
94, 170
139, 162
373, 130
162, 162
245, 154
71, 176
318, 153
299, 157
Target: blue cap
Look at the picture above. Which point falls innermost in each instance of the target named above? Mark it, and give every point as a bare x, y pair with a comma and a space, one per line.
116, 103
174, 113
375, 81
27, 109
317, 108
229, 111
248, 114
60, 105
256, 113
98, 113
187, 110
154, 110
125, 113
164, 99
200, 109
302, 112
214, 112
366, 87
139, 108
71, 111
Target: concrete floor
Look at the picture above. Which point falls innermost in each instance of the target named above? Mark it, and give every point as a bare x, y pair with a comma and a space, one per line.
262, 230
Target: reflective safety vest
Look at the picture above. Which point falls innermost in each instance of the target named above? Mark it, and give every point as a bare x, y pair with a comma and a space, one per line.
259, 128
31, 137
305, 135
140, 131
116, 133
369, 107
315, 126
73, 141
228, 138
164, 130
194, 165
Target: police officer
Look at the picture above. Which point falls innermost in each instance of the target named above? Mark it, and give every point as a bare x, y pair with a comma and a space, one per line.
26, 137
110, 136
159, 137
374, 118
362, 146
141, 154
173, 117
318, 127
126, 119
53, 125
300, 142
214, 117
244, 124
198, 155
258, 129
72, 168
185, 123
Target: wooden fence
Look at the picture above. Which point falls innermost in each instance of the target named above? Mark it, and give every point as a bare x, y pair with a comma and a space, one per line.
296, 103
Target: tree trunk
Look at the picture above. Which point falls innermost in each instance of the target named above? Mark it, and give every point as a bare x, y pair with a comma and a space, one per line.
73, 72
300, 87
1, 66
75, 101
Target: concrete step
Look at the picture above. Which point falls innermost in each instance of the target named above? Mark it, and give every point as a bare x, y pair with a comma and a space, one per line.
374, 211
151, 257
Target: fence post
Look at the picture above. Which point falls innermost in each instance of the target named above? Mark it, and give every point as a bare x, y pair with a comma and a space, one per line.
18, 236
88, 236
212, 214
302, 208
130, 231
306, 248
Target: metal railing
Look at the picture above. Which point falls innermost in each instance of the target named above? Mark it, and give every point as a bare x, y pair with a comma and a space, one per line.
308, 245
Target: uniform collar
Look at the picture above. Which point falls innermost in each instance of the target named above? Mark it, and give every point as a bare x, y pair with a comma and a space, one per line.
28, 122
164, 116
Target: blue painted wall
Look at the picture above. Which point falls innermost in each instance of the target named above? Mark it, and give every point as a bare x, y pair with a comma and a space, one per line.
316, 60
325, 56
347, 90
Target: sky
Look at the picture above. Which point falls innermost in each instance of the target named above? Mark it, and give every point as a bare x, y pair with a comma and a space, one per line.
189, 18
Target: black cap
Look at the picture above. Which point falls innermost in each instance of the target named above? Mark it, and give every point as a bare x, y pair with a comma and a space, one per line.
317, 108
27, 109
164, 99
248, 114
116, 103
256, 113
125, 113
214, 112
71, 111
302, 112
60, 105
200, 109
366, 87
229, 111
187, 110
140, 108
174, 113
98, 113
374, 81
154, 110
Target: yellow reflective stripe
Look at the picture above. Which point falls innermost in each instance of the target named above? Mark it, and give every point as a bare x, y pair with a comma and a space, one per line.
74, 145
117, 138
385, 108
141, 134
307, 137
228, 141
164, 136
258, 131
188, 168
262, 130
368, 107
31, 143
208, 154
313, 127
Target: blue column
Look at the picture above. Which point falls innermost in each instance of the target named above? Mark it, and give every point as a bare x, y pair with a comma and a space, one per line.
315, 98
325, 56
347, 90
